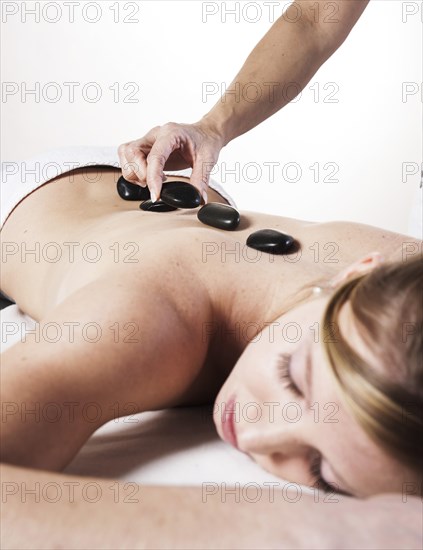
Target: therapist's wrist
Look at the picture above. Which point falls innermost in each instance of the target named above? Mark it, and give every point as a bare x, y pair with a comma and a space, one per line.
216, 126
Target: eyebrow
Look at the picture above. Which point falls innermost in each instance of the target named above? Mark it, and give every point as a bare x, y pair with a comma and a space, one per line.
309, 386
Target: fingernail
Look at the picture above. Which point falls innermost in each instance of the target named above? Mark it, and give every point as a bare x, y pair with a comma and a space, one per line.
153, 196
204, 195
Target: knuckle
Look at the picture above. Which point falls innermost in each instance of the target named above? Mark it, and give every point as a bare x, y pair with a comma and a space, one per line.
129, 176
133, 151
158, 157
170, 127
121, 148
135, 167
128, 169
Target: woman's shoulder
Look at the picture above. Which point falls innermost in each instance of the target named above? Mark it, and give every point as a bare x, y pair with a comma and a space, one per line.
354, 239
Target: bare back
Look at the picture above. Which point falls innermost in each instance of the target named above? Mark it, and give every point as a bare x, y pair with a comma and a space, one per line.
75, 229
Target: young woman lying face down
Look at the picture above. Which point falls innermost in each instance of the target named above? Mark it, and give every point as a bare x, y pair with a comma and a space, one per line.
340, 398
318, 353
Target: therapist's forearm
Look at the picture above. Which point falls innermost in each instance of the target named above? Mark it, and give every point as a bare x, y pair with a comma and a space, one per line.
50, 510
281, 65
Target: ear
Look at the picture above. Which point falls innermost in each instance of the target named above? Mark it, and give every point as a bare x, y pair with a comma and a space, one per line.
361, 266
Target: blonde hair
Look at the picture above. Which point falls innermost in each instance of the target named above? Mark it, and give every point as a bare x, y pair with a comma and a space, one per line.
387, 305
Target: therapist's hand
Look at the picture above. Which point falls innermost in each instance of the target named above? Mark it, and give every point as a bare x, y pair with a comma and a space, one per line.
171, 147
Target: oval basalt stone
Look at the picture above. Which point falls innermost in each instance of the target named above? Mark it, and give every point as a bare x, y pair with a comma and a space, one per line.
271, 241
158, 206
131, 191
180, 194
219, 215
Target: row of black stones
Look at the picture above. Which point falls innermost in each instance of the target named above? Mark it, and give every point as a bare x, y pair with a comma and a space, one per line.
179, 194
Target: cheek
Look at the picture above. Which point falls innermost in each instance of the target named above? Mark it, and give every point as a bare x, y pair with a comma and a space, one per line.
255, 375
294, 470
250, 371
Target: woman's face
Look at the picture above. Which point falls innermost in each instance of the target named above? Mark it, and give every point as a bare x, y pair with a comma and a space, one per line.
287, 432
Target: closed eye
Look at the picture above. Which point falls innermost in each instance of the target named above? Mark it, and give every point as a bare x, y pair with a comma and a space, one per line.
284, 362
317, 476
320, 483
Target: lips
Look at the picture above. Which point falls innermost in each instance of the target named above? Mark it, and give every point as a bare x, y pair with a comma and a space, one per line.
228, 422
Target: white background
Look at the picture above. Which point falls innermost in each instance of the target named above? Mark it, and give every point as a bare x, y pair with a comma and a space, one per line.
171, 52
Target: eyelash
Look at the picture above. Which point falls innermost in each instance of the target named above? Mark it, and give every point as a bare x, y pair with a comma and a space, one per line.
284, 362
315, 472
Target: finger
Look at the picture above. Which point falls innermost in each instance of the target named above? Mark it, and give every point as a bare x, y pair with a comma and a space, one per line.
128, 165
128, 175
133, 157
156, 160
200, 176
134, 166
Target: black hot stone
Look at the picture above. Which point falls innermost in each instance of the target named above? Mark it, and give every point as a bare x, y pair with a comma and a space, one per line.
130, 191
271, 241
180, 194
219, 215
158, 206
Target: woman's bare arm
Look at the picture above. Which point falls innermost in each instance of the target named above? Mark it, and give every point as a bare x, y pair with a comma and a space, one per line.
117, 346
85, 513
